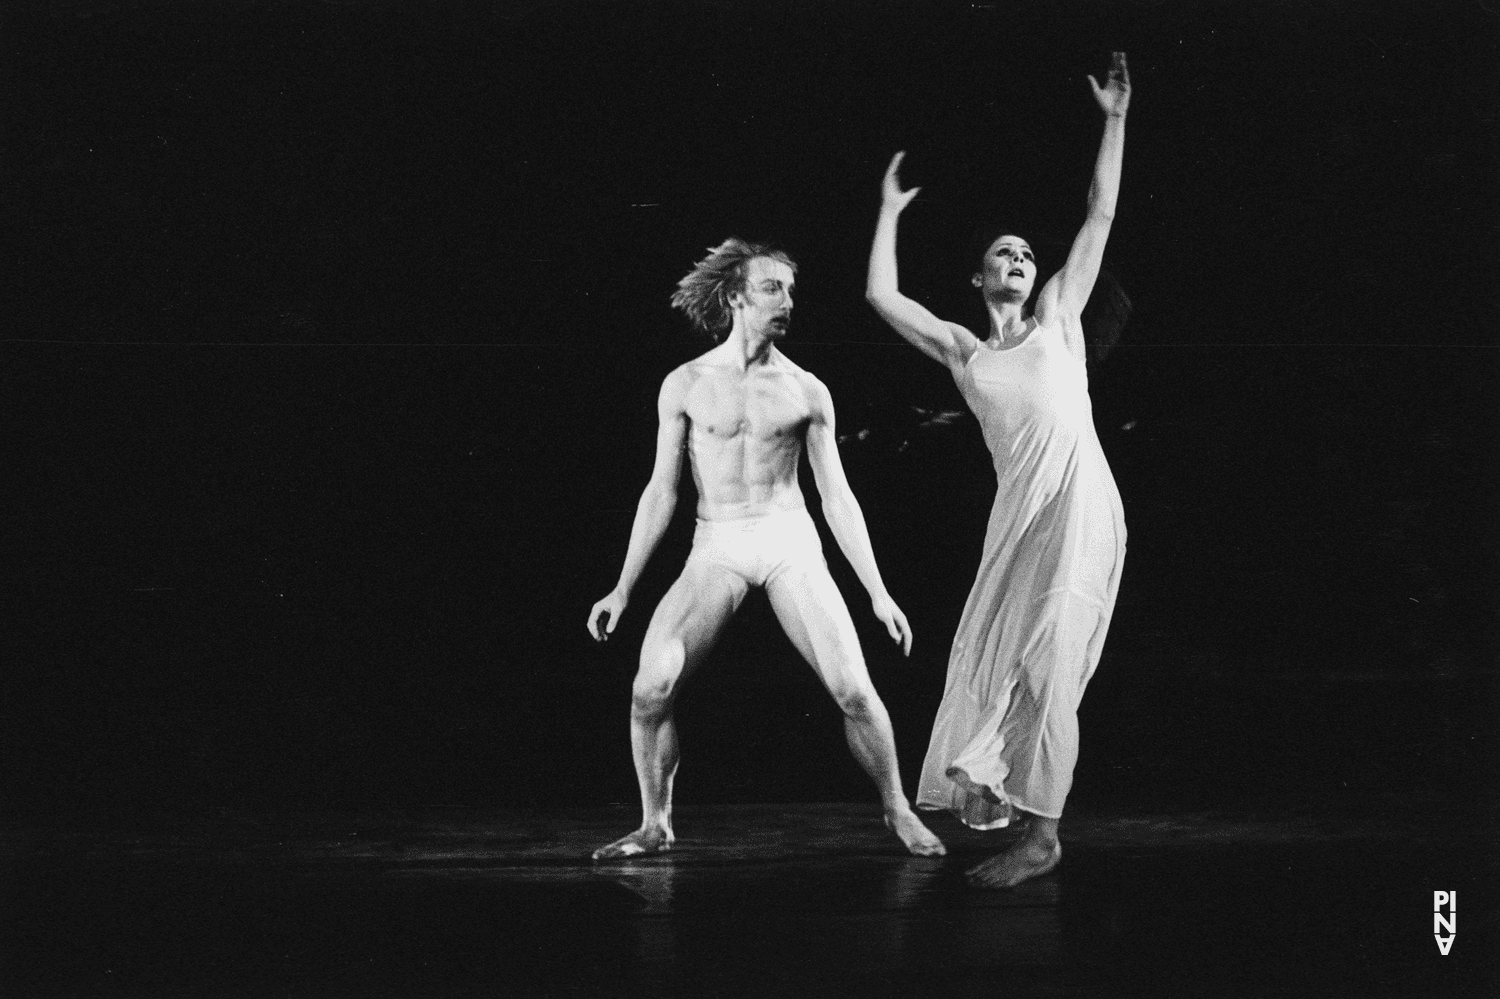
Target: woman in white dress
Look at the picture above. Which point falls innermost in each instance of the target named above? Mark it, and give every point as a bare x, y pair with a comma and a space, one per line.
1006, 735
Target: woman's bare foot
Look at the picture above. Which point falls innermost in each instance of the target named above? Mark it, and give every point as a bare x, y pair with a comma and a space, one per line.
647, 839
1031, 856
918, 838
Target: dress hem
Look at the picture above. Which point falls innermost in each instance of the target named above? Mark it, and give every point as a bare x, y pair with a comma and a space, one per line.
965, 785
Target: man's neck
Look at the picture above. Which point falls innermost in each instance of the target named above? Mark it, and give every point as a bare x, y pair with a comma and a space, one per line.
747, 349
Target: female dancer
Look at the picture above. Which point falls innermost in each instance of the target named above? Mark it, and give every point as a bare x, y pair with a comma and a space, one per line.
1006, 735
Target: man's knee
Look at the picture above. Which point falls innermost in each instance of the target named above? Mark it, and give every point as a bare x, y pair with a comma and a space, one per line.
655, 685
651, 700
857, 702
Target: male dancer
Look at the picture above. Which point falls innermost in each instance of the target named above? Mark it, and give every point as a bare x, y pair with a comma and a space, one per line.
742, 413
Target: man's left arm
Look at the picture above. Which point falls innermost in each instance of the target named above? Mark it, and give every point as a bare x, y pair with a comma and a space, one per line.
845, 518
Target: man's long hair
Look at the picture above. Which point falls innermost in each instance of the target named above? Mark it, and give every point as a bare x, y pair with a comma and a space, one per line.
703, 296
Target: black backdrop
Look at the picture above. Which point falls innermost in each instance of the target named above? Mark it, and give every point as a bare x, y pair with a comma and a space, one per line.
335, 331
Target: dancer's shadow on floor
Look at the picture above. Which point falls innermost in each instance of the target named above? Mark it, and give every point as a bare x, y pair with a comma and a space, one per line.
935, 919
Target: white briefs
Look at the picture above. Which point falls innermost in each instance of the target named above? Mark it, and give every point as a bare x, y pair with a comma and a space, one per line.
758, 549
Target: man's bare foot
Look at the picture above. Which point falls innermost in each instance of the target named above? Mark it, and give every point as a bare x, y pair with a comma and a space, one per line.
647, 839
1028, 857
918, 838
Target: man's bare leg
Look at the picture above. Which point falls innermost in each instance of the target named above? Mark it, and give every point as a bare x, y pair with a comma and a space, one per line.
653, 746
1034, 854
813, 614
683, 629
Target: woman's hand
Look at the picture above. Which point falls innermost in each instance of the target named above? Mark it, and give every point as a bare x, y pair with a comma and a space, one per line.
892, 198
1114, 96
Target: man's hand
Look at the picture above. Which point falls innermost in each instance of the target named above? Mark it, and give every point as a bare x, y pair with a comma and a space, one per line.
1114, 96
890, 615
892, 198
605, 615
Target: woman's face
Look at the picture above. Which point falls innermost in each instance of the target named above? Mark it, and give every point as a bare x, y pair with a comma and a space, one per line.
1009, 270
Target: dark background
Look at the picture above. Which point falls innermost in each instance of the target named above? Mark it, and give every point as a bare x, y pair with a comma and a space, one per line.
335, 330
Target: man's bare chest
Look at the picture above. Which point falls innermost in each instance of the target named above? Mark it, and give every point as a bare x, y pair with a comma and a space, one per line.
759, 407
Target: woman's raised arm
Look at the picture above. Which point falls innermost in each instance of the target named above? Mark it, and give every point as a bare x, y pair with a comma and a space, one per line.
1070, 288
947, 343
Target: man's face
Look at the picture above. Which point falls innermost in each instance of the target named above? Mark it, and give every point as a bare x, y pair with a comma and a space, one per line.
1009, 269
764, 306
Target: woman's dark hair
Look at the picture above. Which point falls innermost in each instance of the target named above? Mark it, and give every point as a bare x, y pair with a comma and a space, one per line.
983, 237
1105, 316
1108, 308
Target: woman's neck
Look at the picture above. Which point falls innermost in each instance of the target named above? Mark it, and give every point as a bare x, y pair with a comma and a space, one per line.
1008, 321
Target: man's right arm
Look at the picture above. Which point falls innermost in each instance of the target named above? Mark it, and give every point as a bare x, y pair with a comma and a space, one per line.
658, 502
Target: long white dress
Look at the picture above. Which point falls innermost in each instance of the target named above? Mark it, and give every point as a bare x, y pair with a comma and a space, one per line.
1006, 734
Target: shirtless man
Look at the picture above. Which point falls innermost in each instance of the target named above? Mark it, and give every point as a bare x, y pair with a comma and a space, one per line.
742, 412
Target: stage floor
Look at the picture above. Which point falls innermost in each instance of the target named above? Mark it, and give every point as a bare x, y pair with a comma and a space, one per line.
790, 900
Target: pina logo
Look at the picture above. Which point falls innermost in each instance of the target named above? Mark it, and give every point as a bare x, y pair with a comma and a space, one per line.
1445, 922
